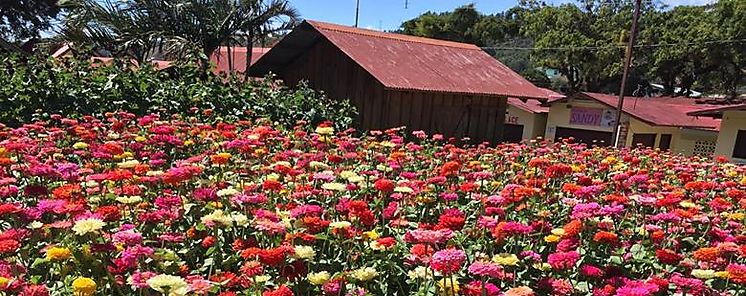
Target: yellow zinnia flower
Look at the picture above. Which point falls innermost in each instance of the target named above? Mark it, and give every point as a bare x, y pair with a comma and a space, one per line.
506, 259
448, 286
80, 146
58, 253
364, 274
318, 278
83, 286
551, 238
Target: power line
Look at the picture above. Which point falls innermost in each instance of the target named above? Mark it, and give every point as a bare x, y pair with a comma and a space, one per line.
620, 46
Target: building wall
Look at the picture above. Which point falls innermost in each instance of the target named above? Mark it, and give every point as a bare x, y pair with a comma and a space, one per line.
639, 127
327, 68
732, 122
533, 124
559, 116
692, 141
683, 141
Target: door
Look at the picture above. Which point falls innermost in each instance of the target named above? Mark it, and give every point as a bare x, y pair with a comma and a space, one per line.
584, 136
665, 142
513, 133
739, 150
645, 140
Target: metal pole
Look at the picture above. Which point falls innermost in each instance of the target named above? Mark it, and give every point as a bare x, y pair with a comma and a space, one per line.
627, 62
357, 13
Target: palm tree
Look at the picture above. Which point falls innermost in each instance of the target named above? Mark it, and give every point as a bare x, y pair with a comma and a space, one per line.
144, 29
266, 19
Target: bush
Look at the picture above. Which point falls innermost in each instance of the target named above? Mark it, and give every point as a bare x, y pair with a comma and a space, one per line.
37, 87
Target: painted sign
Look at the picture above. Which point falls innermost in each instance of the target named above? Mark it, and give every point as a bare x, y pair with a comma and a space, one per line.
592, 116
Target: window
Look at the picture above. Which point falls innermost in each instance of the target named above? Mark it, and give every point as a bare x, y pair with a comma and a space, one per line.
665, 143
646, 140
739, 150
704, 148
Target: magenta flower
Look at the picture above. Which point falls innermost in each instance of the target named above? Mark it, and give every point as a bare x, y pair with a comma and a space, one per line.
448, 261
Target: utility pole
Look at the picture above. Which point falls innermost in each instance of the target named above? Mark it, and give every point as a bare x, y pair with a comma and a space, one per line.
627, 62
357, 13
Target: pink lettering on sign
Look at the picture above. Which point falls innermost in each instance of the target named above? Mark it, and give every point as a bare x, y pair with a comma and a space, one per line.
586, 116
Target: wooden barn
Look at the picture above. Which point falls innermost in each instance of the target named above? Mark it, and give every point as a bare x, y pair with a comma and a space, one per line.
395, 80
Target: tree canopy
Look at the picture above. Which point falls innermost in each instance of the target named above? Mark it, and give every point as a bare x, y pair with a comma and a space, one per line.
144, 29
682, 48
22, 19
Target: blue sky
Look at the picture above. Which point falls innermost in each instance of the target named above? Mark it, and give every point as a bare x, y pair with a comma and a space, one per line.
389, 14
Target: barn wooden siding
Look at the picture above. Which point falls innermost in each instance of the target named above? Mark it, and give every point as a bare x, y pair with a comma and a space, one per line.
327, 68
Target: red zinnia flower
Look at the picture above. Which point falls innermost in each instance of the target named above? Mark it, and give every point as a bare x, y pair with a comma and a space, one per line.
666, 256
9, 246
281, 291
450, 168
384, 185
605, 237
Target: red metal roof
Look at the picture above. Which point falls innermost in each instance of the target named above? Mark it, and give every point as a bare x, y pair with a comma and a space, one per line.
660, 111
158, 64
530, 105
415, 63
220, 58
62, 50
712, 111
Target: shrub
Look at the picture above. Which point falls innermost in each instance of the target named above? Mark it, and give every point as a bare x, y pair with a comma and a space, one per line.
38, 87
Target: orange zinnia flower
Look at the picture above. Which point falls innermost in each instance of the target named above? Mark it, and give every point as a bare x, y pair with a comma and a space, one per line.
707, 254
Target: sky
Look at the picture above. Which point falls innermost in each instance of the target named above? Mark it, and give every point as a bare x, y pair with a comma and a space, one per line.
389, 14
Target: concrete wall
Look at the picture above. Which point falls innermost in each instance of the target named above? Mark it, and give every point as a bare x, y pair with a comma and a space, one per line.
732, 122
559, 116
683, 141
533, 124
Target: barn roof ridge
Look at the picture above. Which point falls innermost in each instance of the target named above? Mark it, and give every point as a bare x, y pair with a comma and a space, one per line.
388, 35
408, 63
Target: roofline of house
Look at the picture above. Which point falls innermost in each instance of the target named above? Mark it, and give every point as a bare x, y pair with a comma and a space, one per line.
456, 93
589, 97
716, 112
312, 25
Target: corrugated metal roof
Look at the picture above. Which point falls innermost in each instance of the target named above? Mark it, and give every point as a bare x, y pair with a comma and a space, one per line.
408, 63
220, 58
714, 111
528, 105
659, 111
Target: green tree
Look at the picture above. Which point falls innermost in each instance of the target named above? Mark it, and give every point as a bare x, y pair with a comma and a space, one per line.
21, 19
730, 18
144, 29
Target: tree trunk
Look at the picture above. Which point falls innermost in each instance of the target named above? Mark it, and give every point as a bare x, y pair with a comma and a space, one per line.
249, 54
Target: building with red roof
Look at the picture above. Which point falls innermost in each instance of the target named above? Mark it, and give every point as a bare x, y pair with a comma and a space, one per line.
656, 122
450, 88
527, 118
224, 59
233, 59
731, 141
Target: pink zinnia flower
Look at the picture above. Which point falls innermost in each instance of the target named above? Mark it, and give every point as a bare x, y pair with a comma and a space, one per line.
448, 261
563, 260
488, 269
424, 236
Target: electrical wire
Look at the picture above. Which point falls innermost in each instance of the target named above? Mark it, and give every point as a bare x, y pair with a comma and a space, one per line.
617, 46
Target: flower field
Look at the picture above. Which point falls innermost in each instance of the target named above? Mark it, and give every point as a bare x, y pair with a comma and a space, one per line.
127, 205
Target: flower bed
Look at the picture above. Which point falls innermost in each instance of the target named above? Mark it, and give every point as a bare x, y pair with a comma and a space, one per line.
139, 206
